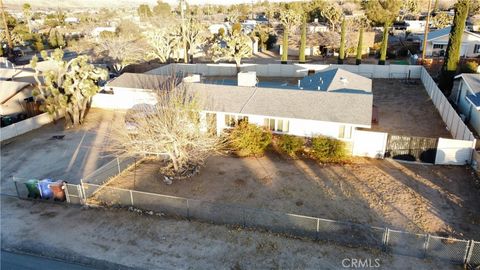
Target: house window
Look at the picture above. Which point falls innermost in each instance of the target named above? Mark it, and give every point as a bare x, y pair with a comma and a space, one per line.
345, 132
269, 123
476, 48
242, 119
230, 120
438, 46
278, 125
282, 126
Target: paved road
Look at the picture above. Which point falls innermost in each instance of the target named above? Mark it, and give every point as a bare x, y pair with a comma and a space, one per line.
14, 261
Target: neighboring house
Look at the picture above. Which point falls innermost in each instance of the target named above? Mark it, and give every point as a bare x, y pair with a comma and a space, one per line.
96, 32
214, 28
415, 26
466, 95
72, 20
331, 103
316, 27
437, 42
13, 97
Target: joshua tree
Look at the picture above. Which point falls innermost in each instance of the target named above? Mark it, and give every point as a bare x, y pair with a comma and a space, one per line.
303, 40
194, 35
68, 88
172, 127
333, 13
358, 60
27, 12
55, 39
289, 19
161, 45
383, 12
341, 54
452, 56
233, 46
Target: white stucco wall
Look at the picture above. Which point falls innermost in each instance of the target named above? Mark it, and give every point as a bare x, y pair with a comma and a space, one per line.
297, 127
123, 98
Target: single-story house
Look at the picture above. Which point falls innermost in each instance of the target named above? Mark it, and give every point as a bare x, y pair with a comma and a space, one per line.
13, 96
437, 42
466, 95
96, 32
331, 103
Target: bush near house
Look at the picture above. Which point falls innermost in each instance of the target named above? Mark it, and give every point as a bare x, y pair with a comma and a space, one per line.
249, 139
469, 67
327, 149
290, 145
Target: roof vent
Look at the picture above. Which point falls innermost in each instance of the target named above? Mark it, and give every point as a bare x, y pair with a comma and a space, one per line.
344, 80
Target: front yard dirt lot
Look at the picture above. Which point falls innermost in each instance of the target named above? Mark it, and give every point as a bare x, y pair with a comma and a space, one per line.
419, 198
406, 109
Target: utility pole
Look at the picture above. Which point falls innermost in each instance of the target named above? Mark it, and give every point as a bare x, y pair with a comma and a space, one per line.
183, 7
427, 28
7, 32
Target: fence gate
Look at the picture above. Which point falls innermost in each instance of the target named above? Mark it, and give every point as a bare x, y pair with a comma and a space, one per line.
411, 148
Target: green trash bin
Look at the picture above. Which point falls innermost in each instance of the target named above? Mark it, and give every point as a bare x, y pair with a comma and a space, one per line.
32, 187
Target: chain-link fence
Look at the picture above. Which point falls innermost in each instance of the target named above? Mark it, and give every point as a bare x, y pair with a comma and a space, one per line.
351, 234
110, 170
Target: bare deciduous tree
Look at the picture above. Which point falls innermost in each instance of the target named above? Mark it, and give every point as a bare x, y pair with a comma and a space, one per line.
120, 52
173, 127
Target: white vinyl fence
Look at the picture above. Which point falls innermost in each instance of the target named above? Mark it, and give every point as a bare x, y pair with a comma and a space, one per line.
369, 144
25, 126
454, 152
293, 70
452, 120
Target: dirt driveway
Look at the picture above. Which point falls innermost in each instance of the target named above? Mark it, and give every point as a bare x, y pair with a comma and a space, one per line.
419, 198
406, 109
81, 151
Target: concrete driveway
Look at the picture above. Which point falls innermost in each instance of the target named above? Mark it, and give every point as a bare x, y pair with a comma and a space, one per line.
80, 152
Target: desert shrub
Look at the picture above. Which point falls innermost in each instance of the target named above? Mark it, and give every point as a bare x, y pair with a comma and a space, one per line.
327, 149
469, 67
289, 144
249, 139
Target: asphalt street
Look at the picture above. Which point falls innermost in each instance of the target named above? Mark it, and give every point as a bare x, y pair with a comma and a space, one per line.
15, 261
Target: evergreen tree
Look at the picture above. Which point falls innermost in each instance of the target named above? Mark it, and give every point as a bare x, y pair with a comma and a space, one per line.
303, 41
358, 61
341, 54
383, 12
289, 19
452, 56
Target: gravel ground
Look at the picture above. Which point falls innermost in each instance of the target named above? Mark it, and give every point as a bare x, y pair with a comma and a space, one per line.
151, 242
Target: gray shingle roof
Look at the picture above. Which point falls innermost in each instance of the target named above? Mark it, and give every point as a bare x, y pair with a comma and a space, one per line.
350, 108
472, 80
140, 81
338, 80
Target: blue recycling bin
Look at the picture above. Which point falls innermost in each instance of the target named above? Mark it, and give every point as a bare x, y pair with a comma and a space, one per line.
45, 191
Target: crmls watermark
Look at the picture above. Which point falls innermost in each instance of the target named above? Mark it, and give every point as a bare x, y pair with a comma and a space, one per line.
360, 263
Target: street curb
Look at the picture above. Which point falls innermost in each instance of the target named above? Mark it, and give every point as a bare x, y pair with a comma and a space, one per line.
53, 253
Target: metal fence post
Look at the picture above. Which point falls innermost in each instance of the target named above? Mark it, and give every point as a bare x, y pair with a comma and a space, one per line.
67, 195
317, 235
131, 197
16, 187
188, 210
468, 252
425, 246
83, 194
386, 235
118, 164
